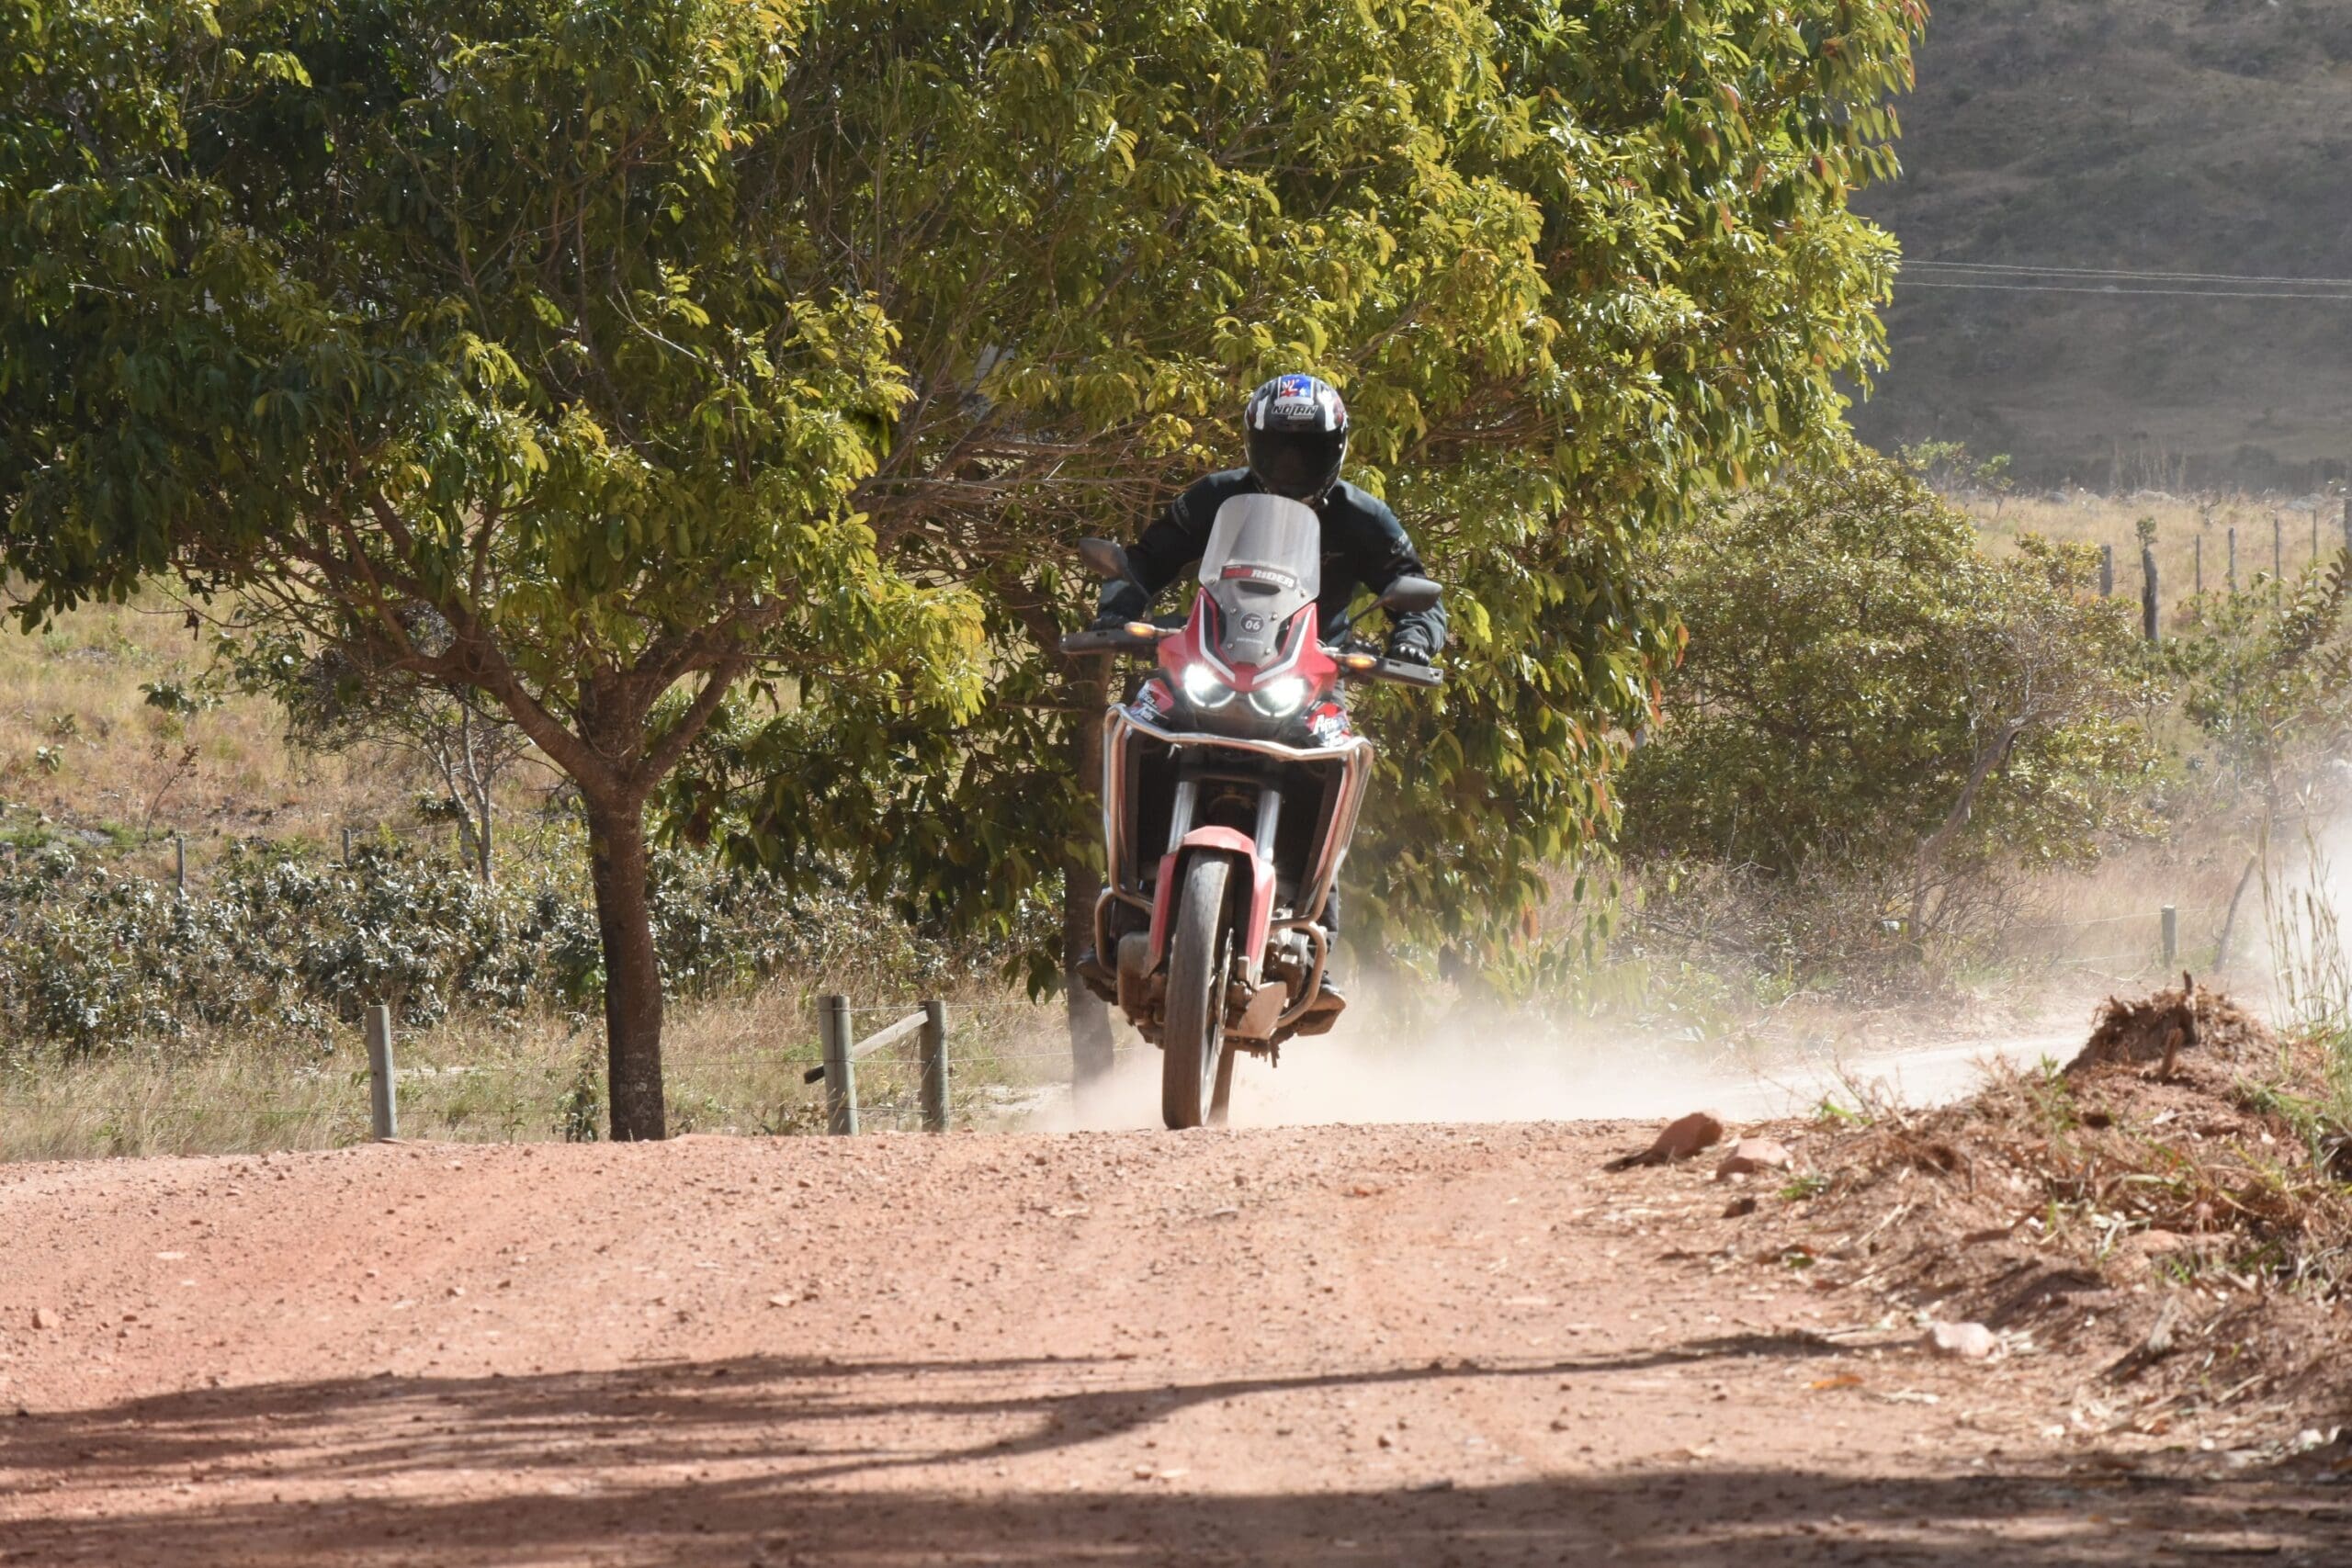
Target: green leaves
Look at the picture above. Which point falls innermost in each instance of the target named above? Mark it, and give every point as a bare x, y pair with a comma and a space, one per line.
1855, 662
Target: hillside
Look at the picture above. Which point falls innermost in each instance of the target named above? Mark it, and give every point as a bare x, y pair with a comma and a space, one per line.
2208, 136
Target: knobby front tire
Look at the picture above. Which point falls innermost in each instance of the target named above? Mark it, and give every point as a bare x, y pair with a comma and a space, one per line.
1196, 1069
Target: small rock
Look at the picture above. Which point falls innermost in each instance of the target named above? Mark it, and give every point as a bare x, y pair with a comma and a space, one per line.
1962, 1341
44, 1318
1678, 1139
1739, 1208
1750, 1156
2155, 1244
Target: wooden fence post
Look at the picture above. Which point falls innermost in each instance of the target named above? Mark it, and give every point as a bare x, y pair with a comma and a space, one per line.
934, 1066
840, 1086
2148, 591
2171, 921
347, 846
2106, 571
179, 860
383, 1099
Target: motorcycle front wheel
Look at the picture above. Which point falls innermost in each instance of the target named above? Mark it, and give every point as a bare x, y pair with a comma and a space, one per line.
1196, 1069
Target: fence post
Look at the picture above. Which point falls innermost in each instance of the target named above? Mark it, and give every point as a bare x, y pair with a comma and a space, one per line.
2106, 571
841, 1087
179, 860
2171, 935
2348, 523
347, 846
383, 1102
2148, 591
2234, 558
934, 1066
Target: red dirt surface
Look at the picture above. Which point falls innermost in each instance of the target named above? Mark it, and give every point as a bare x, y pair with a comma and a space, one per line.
1325, 1346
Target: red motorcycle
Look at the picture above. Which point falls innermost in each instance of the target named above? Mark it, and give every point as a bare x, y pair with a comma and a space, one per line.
1230, 787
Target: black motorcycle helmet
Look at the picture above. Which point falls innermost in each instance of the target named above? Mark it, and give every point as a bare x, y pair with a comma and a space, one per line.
1297, 431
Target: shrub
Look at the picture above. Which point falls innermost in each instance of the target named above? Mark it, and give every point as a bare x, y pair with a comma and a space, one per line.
285, 945
1865, 693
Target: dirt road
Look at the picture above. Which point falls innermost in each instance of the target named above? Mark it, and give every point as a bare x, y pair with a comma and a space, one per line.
1400, 1345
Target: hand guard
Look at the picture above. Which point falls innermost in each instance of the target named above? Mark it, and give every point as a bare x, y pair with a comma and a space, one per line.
1409, 646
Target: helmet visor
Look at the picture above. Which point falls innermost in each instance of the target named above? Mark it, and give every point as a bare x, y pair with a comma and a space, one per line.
1300, 464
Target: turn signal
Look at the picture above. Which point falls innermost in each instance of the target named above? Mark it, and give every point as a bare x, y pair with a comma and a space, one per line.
1142, 628
1358, 660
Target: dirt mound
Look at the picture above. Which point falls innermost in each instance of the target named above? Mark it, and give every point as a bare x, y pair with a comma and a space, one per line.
2166, 1208
2155, 1029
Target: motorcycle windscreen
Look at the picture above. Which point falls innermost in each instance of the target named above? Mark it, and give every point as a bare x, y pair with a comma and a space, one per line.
1263, 564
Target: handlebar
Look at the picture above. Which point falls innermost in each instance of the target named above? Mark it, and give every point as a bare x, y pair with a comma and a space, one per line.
1108, 642
1405, 672
1143, 638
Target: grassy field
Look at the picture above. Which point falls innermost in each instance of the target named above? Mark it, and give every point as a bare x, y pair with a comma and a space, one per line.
83, 754
2193, 539
736, 1066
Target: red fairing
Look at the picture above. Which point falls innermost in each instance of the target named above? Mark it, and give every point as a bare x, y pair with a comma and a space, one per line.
1231, 841
1301, 654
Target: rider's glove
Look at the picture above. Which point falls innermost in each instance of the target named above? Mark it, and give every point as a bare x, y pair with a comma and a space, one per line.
1410, 646
1121, 602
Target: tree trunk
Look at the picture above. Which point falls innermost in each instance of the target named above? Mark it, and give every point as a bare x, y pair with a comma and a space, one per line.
621, 870
1090, 1017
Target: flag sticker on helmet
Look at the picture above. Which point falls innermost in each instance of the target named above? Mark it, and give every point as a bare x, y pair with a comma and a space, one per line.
1303, 400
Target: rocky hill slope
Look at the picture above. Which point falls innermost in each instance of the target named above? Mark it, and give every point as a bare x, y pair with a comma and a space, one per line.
2178, 136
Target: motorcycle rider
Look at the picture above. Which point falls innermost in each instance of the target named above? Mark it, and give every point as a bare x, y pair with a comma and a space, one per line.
1295, 430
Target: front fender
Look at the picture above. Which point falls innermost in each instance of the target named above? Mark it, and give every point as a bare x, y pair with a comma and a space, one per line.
1239, 846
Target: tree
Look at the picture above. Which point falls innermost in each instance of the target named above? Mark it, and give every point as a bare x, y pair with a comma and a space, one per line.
334, 704
2266, 674
1864, 689
480, 307
1574, 270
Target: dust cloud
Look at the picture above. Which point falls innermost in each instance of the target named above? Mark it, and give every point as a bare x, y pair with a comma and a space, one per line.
1378, 1066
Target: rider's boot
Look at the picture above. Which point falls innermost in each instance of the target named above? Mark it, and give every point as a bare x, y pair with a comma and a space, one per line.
1097, 977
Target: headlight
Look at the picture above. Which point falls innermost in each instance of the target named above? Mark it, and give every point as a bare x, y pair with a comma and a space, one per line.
1279, 699
1204, 690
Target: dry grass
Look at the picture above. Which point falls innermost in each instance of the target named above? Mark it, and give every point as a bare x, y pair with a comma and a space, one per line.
2192, 1229
2192, 536
83, 754
734, 1066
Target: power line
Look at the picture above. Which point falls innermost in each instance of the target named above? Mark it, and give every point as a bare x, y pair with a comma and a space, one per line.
2131, 272
2113, 293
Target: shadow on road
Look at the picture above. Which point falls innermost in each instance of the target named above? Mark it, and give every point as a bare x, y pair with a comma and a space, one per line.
773, 1460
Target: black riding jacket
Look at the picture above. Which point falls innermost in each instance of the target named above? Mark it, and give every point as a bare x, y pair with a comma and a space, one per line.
1363, 545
